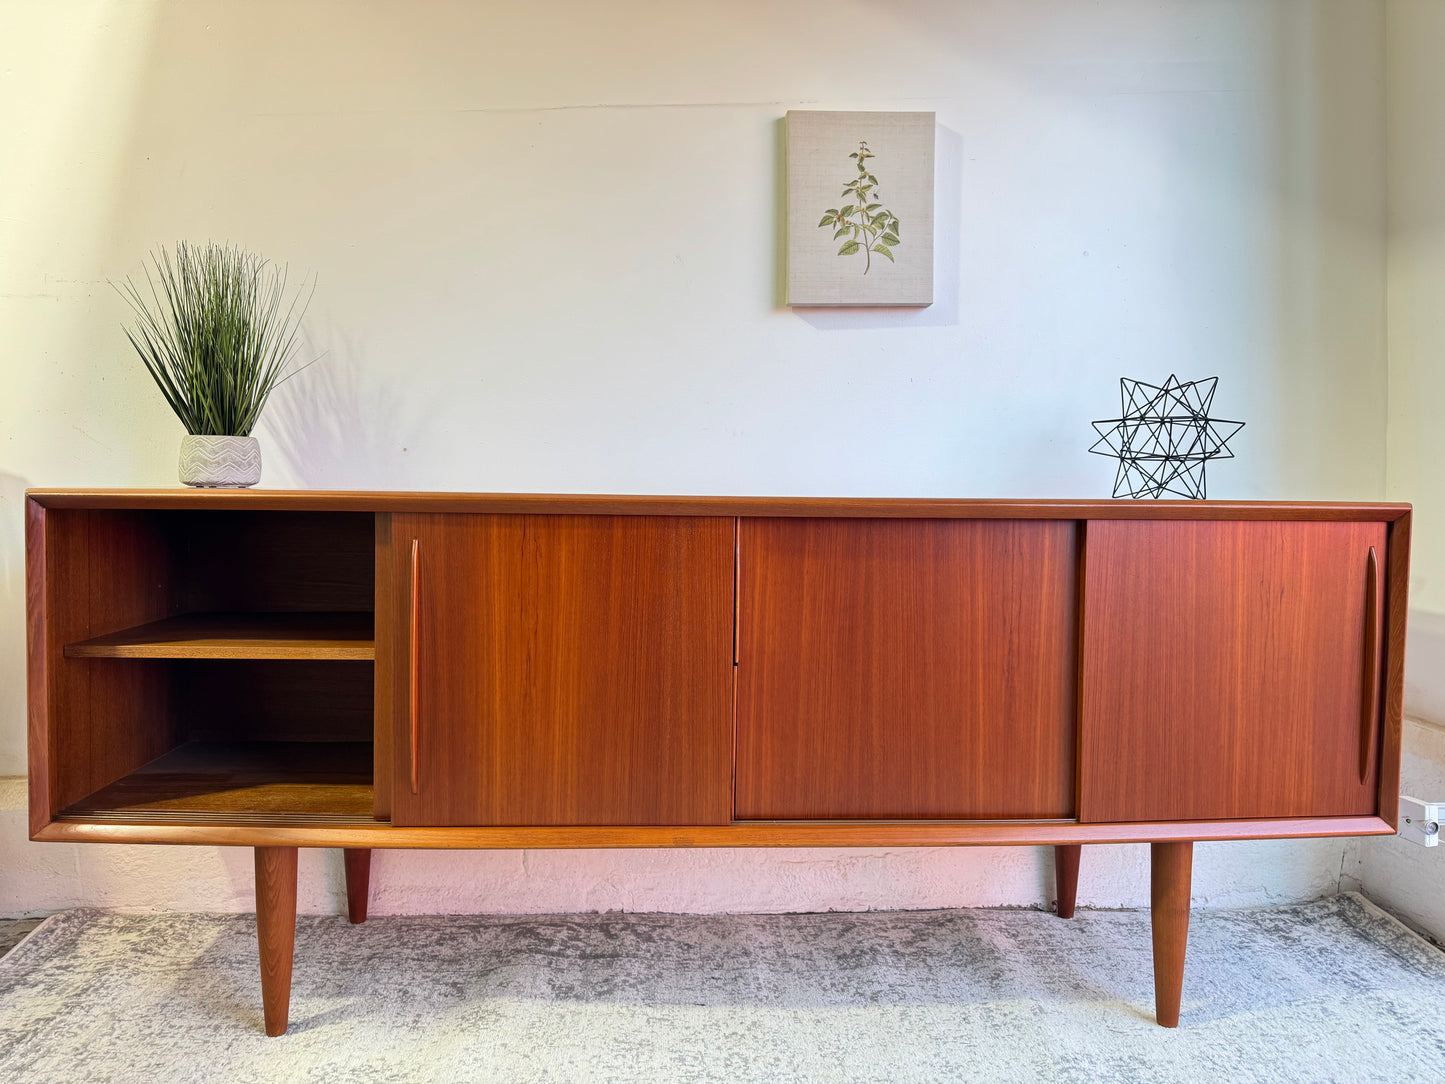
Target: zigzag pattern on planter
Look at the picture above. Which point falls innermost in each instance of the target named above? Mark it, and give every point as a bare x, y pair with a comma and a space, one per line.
220, 462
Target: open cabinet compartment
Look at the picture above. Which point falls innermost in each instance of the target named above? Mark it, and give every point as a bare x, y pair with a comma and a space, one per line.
210, 665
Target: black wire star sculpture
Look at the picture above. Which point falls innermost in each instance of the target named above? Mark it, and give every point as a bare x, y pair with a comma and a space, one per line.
1164, 438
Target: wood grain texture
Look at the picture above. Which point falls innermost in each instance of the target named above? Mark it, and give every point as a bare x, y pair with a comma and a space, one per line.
1370, 678
389, 642
105, 719
237, 636
1170, 866
572, 670
1081, 588
237, 780
66, 726
128, 566
259, 700
268, 561
905, 668
619, 505
99, 572
276, 932
741, 834
1397, 610
1222, 671
1066, 877
413, 666
40, 704
357, 861
134, 690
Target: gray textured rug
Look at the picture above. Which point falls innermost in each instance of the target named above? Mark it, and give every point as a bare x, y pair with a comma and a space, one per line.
15, 930
1329, 991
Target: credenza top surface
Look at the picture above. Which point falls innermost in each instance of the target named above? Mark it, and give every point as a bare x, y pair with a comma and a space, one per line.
613, 504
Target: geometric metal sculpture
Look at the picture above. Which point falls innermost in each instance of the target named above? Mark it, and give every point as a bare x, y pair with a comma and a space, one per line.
1164, 438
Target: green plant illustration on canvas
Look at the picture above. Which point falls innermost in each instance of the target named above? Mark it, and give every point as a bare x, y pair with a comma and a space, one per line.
869, 226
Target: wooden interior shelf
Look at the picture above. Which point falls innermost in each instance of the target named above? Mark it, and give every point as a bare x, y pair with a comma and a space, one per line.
238, 636
254, 782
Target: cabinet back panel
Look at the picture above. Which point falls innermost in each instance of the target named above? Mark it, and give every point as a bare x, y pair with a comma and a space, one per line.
272, 561
311, 701
1223, 670
906, 668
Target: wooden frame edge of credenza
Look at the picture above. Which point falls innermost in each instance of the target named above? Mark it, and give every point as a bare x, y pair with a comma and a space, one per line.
738, 834
1397, 613
37, 670
613, 504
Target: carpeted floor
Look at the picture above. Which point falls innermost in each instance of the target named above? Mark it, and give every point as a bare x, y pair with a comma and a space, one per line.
1329, 991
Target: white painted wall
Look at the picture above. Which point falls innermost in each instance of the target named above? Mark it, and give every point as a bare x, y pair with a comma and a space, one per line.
1416, 170
1400, 875
546, 239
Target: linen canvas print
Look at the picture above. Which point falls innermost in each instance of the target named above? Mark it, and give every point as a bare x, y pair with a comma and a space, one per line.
860, 208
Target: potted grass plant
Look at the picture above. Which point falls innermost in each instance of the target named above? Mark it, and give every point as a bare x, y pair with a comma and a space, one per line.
218, 333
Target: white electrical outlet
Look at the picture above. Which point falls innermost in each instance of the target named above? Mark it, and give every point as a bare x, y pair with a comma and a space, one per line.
1420, 821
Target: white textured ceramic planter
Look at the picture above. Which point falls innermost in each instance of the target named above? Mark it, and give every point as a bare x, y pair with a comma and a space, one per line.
220, 462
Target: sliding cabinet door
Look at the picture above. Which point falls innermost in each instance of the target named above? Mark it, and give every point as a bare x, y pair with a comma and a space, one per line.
555, 670
906, 668
1230, 670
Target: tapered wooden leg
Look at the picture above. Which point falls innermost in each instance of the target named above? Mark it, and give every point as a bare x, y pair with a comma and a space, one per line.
358, 881
1170, 866
276, 931
1066, 876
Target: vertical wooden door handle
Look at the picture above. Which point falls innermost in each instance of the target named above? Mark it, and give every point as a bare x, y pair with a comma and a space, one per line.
1370, 693
412, 648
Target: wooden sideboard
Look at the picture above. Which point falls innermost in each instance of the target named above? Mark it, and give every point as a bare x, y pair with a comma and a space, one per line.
361, 670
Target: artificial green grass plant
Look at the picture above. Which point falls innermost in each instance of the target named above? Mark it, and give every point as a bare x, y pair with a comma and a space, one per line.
217, 334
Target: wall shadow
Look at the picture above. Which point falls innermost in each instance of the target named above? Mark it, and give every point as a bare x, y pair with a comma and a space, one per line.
337, 425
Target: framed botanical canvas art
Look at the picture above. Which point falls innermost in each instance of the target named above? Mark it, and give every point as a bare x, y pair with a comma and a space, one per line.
860, 208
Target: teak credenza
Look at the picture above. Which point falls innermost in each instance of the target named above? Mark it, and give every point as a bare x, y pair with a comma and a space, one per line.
359, 670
